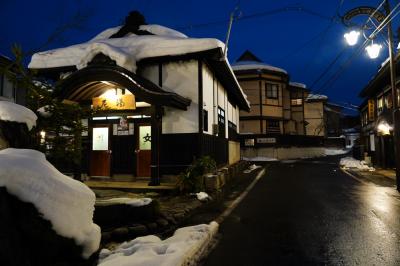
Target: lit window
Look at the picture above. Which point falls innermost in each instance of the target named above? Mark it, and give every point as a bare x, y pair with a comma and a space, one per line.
271, 90
296, 101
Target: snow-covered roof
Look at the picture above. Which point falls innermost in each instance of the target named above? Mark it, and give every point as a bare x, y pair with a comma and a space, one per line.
298, 84
17, 113
313, 97
68, 204
126, 51
253, 65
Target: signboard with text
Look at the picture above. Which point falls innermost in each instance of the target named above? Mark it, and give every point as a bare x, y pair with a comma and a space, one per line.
119, 102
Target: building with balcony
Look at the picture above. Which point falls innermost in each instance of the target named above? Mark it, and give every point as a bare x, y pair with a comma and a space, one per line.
376, 113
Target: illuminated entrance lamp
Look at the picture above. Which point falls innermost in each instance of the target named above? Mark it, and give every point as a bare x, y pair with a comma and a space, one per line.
384, 128
373, 50
352, 37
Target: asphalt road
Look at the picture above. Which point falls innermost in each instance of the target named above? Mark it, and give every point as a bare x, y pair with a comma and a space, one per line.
311, 213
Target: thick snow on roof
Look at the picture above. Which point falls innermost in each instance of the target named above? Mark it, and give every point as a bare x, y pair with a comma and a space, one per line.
253, 65
298, 84
183, 248
316, 97
125, 51
17, 113
68, 204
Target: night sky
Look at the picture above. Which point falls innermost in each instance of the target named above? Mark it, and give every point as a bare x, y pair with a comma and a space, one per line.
299, 36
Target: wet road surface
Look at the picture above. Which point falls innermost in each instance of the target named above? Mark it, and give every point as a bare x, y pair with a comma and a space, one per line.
311, 213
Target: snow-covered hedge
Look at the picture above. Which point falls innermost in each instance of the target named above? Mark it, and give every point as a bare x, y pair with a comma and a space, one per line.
17, 113
66, 203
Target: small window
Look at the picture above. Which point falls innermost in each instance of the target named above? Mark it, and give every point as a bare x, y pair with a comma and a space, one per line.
205, 120
7, 90
295, 102
380, 105
271, 90
273, 126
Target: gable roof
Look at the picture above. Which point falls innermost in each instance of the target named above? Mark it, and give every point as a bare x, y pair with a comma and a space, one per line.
248, 56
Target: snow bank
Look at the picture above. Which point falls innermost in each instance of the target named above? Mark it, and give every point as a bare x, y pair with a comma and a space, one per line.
138, 202
66, 203
182, 248
349, 162
260, 159
251, 168
202, 196
17, 113
252, 65
125, 51
333, 151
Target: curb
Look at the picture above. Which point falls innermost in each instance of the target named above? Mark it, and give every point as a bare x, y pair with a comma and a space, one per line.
193, 256
196, 253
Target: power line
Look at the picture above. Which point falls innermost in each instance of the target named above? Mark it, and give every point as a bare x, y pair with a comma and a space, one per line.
304, 45
260, 14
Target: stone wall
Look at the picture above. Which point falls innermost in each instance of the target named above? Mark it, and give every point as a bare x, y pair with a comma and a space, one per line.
283, 153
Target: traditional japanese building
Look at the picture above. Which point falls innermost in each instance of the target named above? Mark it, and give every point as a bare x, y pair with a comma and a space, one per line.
282, 113
377, 117
166, 99
8, 91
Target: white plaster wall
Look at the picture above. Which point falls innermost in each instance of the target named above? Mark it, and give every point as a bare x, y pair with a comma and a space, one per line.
181, 78
208, 97
151, 73
223, 103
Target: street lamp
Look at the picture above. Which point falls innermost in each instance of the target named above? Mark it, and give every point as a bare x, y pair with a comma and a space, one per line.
373, 51
352, 37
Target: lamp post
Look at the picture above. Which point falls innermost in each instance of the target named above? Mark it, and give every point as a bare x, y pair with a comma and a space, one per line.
373, 51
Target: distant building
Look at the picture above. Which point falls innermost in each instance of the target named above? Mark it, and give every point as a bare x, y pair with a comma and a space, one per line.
282, 112
376, 118
170, 98
8, 91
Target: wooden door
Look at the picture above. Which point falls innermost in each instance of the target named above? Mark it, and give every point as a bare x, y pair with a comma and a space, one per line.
143, 150
100, 156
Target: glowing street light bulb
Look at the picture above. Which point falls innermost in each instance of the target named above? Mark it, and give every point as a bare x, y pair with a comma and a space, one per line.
373, 50
352, 37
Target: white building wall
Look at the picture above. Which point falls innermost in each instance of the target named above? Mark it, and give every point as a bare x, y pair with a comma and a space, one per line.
181, 78
208, 97
151, 73
222, 102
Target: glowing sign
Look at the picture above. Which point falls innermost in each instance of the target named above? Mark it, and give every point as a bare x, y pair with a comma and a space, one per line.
115, 102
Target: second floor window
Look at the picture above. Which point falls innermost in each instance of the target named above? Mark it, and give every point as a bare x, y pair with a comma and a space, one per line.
295, 102
6, 88
271, 90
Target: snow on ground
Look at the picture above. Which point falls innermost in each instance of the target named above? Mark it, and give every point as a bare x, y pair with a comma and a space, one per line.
260, 159
134, 202
17, 113
202, 196
251, 168
125, 51
68, 204
183, 248
349, 162
335, 151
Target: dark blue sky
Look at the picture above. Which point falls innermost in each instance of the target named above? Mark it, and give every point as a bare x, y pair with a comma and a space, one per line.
304, 42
